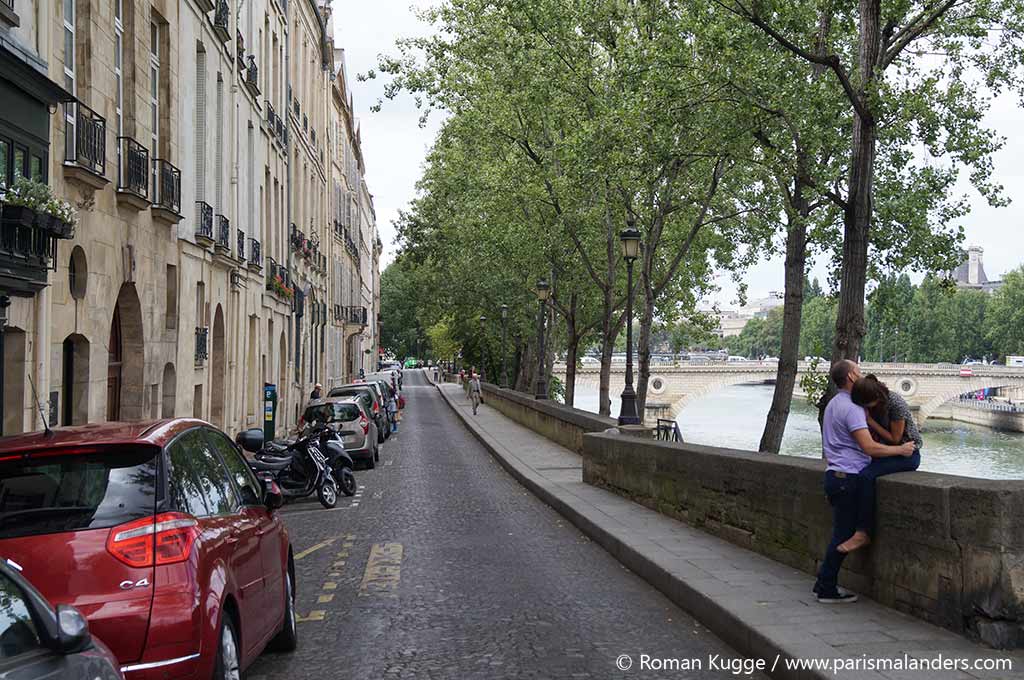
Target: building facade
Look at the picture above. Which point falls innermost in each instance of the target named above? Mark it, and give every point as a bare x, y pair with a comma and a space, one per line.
971, 272
194, 139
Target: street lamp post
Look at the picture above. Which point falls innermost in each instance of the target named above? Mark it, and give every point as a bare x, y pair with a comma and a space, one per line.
630, 241
483, 347
542, 297
504, 351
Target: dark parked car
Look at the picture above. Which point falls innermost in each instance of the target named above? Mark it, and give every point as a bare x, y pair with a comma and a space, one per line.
39, 642
160, 535
379, 407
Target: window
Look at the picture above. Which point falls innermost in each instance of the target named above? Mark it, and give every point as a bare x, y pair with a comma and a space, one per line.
76, 492
200, 124
17, 631
198, 482
69, 70
5, 160
245, 480
154, 95
119, 68
171, 320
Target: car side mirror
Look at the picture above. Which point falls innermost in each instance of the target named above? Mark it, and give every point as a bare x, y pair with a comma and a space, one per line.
272, 496
72, 630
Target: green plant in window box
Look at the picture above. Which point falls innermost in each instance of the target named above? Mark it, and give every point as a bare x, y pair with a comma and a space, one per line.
28, 202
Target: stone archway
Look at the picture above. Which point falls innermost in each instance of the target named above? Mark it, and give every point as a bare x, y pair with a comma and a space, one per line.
125, 357
74, 380
15, 346
170, 392
218, 369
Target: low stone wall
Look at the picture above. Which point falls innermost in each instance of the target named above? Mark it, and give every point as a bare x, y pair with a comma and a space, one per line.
949, 550
561, 424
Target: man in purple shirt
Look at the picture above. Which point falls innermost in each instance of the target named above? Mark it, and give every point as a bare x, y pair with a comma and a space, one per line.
848, 446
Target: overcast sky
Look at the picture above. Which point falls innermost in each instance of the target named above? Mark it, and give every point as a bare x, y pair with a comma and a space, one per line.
394, 147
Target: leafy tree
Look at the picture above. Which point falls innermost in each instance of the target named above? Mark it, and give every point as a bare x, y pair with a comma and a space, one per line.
1004, 321
816, 332
398, 298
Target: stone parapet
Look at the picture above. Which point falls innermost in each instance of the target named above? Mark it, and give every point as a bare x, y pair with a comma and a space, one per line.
948, 549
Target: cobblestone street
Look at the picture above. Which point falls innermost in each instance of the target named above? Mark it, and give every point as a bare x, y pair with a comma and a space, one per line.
444, 567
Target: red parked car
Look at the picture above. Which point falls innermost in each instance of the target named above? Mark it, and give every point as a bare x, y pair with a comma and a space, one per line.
160, 535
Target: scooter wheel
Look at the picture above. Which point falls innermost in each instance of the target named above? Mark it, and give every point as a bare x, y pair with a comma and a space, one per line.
328, 493
346, 480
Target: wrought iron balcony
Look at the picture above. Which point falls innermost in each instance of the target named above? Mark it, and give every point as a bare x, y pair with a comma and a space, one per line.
223, 233
252, 75
255, 254
28, 248
305, 122
167, 189
204, 221
355, 315
337, 313
202, 351
241, 245
279, 280
222, 21
298, 110
87, 148
133, 173
312, 136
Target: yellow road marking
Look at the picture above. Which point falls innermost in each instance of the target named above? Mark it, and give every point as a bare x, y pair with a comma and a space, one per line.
324, 599
347, 544
343, 553
313, 548
350, 536
315, 615
330, 585
383, 570
338, 565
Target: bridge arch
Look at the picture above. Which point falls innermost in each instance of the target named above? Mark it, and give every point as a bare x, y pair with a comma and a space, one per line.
934, 403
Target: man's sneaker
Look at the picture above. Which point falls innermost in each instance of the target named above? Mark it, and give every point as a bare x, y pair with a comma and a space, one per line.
838, 597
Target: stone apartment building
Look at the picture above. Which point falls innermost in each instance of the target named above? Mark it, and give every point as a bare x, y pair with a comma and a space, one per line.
195, 139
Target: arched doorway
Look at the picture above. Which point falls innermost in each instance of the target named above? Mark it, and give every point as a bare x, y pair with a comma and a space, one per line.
217, 370
282, 379
170, 392
125, 357
14, 380
75, 381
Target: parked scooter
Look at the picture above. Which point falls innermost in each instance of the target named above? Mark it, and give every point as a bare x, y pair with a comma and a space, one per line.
338, 459
299, 468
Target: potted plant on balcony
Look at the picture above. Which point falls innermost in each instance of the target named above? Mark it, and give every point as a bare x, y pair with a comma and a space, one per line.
64, 218
23, 201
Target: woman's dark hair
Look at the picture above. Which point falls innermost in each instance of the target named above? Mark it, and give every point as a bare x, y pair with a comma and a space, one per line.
868, 390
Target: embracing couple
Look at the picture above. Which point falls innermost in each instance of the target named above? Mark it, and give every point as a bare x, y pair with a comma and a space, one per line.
867, 432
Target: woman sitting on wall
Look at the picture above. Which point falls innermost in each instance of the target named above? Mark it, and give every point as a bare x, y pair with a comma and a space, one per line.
891, 422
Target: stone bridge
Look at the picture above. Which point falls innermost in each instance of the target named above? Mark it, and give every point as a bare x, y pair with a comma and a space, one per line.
926, 387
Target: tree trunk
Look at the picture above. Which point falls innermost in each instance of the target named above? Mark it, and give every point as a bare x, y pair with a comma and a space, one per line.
608, 335
643, 346
857, 217
572, 349
792, 312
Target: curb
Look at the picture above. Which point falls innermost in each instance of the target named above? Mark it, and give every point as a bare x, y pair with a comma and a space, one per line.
733, 630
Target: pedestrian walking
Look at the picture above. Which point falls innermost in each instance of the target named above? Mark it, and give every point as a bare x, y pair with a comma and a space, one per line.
317, 391
474, 391
394, 413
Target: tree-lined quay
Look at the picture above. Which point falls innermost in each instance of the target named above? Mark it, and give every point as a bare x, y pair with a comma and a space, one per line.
724, 131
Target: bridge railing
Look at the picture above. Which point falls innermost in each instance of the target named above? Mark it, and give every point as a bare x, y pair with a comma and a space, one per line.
667, 431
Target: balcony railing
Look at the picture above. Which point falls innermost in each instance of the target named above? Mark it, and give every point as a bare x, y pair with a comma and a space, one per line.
202, 352
133, 174
241, 245
204, 220
255, 254
87, 148
252, 75
355, 315
337, 313
279, 280
167, 190
222, 20
223, 233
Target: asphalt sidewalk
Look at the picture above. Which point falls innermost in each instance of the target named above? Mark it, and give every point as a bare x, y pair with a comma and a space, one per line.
763, 609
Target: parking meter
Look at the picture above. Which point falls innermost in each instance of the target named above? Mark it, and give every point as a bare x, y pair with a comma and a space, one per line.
269, 411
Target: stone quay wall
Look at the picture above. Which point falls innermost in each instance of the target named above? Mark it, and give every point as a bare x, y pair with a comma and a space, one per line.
948, 549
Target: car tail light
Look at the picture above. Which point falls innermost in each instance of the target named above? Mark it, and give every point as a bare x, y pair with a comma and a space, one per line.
376, 407
146, 542
364, 423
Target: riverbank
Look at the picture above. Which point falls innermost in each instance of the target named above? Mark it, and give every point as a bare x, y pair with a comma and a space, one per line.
981, 414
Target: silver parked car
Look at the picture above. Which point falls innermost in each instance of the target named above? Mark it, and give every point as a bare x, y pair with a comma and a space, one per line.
347, 415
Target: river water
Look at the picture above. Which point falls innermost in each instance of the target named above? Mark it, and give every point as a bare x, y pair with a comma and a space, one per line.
734, 417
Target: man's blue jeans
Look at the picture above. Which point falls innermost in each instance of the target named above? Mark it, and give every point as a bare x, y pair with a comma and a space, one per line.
878, 468
843, 492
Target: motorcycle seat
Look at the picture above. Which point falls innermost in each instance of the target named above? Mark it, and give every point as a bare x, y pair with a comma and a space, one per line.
275, 447
270, 465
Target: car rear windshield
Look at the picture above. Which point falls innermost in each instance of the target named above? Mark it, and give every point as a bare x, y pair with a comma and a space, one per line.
53, 493
331, 413
347, 391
